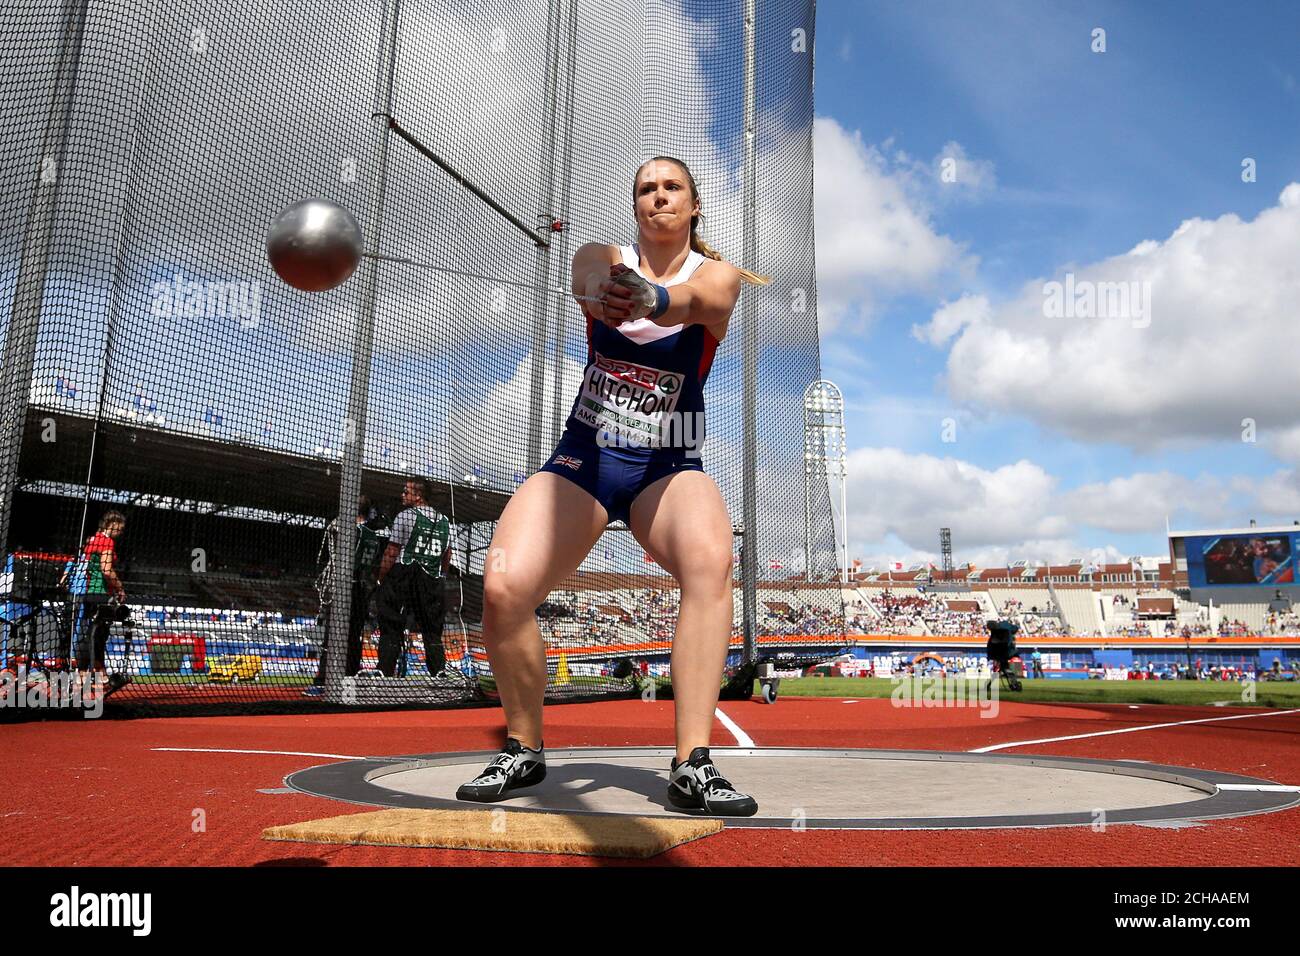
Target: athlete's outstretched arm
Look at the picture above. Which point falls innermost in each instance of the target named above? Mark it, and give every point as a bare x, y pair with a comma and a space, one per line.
706, 298
591, 268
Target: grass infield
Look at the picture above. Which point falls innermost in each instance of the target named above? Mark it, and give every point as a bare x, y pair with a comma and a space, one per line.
1201, 693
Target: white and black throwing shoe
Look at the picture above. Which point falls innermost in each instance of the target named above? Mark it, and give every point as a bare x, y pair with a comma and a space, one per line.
514, 767
696, 784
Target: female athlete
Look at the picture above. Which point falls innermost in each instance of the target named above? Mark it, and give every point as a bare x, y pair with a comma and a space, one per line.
630, 451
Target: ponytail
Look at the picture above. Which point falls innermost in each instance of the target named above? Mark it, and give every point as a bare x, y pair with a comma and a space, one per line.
706, 250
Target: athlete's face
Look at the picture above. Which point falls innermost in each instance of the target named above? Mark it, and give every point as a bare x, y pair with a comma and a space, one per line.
663, 198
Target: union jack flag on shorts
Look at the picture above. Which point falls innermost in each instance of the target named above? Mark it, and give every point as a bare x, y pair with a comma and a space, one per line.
574, 463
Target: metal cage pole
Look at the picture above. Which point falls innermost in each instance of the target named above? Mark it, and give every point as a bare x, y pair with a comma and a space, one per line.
807, 507
115, 307
354, 425
542, 299
749, 347
561, 401
29, 289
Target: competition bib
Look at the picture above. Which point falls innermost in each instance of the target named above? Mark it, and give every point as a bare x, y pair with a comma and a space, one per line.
427, 542
631, 403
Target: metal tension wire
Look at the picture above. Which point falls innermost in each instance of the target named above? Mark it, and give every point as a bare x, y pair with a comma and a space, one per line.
514, 220
401, 260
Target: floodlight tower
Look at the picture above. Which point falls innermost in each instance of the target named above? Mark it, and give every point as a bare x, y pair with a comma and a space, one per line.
823, 455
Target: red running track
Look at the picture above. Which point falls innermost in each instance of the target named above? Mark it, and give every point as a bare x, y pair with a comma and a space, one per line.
100, 793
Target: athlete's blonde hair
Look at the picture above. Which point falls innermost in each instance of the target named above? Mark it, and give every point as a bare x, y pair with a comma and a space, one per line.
698, 244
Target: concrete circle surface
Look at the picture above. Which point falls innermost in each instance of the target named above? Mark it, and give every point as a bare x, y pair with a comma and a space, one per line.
851, 789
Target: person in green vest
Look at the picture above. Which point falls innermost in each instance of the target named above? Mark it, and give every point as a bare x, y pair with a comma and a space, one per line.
411, 578
371, 539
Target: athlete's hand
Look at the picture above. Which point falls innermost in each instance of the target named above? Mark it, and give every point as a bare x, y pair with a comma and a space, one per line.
640, 294
618, 297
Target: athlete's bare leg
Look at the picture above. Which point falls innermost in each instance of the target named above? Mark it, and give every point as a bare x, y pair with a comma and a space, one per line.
546, 530
682, 522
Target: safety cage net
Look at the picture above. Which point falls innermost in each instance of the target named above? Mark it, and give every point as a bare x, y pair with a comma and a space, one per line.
166, 392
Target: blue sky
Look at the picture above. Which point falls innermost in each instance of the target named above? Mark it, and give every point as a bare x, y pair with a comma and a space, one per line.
1066, 159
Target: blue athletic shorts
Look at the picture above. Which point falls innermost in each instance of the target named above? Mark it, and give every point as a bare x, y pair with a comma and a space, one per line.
614, 476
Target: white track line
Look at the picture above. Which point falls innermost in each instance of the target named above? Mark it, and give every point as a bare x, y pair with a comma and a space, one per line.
1265, 787
277, 753
1129, 730
742, 738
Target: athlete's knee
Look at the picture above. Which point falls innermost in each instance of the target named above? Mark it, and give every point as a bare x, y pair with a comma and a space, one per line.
505, 596
707, 566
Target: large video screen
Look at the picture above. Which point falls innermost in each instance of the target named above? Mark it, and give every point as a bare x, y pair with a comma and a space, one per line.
1241, 559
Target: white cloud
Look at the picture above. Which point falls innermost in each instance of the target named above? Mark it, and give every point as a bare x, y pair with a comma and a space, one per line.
1215, 346
971, 177
874, 236
1285, 444
1048, 550
951, 317
1138, 503
911, 496
1276, 497
898, 501
951, 175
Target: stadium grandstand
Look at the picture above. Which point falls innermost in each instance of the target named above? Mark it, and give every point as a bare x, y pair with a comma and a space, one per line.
1219, 604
